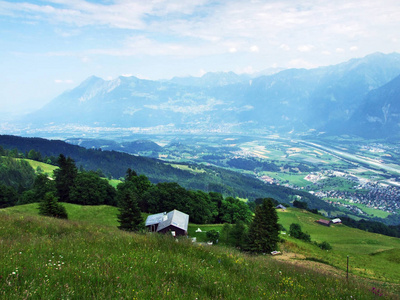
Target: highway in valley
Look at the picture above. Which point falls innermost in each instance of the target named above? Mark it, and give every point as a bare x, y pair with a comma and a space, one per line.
354, 159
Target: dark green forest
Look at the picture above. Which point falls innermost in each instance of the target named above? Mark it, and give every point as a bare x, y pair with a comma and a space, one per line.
21, 186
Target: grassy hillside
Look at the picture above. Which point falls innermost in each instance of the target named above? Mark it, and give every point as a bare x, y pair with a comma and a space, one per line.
46, 258
46, 168
99, 214
371, 255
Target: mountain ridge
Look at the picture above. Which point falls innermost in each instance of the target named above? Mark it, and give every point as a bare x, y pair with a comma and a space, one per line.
295, 100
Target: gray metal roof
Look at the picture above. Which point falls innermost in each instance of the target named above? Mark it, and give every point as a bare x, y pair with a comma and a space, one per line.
175, 218
155, 219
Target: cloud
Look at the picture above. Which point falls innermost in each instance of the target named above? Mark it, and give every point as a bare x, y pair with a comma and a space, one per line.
340, 50
353, 48
284, 47
63, 81
305, 48
208, 27
67, 33
254, 48
300, 63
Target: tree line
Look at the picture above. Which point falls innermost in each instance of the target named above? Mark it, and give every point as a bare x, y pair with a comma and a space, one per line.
82, 187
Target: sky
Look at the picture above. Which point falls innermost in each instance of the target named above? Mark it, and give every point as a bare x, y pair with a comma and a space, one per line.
47, 47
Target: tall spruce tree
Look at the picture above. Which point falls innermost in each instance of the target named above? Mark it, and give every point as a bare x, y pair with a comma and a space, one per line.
263, 233
129, 217
64, 177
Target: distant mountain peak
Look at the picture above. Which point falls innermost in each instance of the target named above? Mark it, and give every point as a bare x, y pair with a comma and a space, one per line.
225, 102
91, 80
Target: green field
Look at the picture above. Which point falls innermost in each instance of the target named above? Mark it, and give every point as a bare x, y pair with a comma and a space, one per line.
202, 236
371, 211
361, 246
114, 182
46, 168
99, 214
187, 168
46, 258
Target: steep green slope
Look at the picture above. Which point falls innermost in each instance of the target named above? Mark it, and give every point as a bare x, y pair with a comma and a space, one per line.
365, 250
371, 255
45, 258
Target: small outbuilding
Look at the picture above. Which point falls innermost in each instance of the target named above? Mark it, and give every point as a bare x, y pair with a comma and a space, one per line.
175, 222
336, 221
280, 206
324, 222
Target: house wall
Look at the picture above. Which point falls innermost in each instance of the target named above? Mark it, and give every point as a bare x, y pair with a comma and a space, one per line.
152, 228
178, 231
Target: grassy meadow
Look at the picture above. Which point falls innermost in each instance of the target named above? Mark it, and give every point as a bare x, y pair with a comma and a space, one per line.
371, 255
47, 258
46, 168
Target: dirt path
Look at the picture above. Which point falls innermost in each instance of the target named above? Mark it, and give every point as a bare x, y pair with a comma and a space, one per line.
300, 260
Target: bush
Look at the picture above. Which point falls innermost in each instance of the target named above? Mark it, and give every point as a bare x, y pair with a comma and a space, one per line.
213, 236
295, 231
325, 246
300, 204
50, 207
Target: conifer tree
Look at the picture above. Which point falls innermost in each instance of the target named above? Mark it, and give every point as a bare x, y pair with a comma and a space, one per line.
50, 207
238, 233
129, 217
64, 177
263, 233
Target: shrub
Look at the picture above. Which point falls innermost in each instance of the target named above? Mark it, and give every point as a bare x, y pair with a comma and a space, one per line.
325, 246
296, 232
213, 236
50, 207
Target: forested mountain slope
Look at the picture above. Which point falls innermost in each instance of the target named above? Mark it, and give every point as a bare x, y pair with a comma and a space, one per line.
115, 164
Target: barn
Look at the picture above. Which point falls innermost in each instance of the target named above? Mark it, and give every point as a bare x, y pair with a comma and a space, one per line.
175, 222
336, 221
324, 222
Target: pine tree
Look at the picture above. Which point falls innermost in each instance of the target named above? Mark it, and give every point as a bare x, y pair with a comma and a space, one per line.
263, 233
50, 207
129, 217
238, 233
64, 177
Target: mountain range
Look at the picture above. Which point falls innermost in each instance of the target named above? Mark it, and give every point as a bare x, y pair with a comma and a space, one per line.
355, 97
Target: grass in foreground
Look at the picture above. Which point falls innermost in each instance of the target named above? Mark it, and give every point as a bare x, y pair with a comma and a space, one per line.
45, 258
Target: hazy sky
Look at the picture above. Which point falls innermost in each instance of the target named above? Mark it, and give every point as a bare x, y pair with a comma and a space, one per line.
47, 47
